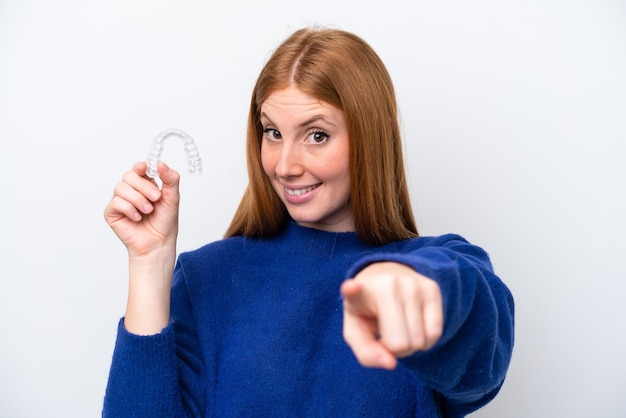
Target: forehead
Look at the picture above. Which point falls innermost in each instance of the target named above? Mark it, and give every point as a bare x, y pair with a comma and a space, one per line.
293, 102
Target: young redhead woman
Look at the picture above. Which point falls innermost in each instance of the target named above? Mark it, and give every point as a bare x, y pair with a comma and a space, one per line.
321, 300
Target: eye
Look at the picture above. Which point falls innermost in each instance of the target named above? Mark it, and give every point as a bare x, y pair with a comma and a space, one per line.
272, 134
317, 137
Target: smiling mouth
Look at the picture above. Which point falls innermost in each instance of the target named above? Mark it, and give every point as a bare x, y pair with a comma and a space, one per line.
298, 192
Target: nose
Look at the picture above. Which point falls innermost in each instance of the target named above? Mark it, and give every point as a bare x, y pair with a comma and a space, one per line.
289, 163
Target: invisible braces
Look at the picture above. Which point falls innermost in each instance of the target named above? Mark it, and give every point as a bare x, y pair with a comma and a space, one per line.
154, 156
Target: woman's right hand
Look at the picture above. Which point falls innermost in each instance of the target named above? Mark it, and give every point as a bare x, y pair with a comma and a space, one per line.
143, 217
146, 221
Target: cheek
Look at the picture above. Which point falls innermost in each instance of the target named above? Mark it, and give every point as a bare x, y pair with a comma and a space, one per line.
345, 178
267, 162
339, 170
347, 183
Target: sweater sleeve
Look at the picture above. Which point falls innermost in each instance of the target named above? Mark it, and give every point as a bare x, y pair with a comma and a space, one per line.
159, 375
468, 364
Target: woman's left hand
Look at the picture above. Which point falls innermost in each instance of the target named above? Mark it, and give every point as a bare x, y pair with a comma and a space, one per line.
390, 311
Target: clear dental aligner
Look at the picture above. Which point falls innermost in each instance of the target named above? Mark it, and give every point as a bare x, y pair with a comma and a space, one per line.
154, 156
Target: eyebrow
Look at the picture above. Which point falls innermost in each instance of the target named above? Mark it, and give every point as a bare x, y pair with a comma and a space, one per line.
307, 122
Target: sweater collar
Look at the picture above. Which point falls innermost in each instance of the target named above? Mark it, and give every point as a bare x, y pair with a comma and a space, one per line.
322, 238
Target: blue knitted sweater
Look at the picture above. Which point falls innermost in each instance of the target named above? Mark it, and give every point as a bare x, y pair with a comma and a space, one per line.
256, 331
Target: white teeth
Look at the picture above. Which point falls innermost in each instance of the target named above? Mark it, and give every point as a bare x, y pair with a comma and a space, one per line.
298, 192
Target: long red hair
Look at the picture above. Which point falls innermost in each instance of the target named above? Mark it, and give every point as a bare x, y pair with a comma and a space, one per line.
341, 69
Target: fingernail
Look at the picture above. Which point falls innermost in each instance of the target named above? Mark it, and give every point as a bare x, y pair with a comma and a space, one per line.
154, 194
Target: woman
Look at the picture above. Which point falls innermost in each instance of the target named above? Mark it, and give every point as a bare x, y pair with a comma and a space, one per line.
321, 300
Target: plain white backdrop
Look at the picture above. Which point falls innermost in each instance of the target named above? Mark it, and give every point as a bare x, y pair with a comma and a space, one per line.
514, 115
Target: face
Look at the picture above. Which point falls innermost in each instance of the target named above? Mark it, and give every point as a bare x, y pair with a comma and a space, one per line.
305, 154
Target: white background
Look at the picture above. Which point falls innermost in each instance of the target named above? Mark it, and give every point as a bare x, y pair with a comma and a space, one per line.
514, 116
